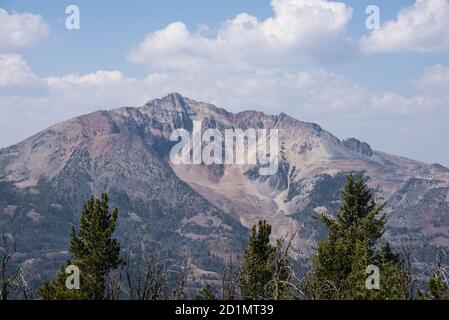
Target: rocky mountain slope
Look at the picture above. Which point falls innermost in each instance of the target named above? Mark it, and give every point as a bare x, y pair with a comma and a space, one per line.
197, 211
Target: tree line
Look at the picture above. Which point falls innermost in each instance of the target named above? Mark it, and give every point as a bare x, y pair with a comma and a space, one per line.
353, 262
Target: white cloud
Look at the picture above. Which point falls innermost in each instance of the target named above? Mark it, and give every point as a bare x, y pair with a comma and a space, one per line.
16, 76
247, 64
313, 94
18, 30
422, 27
27, 108
435, 80
80, 94
97, 79
310, 91
296, 34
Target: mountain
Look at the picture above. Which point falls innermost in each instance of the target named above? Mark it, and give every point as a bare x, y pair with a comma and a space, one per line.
198, 211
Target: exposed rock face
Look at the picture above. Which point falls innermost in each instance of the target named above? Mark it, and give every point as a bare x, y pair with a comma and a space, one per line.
195, 210
358, 146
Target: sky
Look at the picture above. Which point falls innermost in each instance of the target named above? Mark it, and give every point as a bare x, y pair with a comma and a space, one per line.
315, 60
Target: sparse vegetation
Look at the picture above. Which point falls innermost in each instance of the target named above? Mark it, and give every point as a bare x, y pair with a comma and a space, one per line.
12, 281
338, 270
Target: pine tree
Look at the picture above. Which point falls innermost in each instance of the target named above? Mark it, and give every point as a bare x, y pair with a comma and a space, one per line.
264, 275
341, 261
94, 252
437, 289
438, 283
205, 294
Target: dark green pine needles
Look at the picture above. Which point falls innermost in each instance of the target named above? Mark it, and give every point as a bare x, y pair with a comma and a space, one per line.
340, 266
265, 273
94, 252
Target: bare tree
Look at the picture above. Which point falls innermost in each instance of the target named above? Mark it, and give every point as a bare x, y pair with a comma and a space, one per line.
284, 284
148, 278
408, 282
115, 288
11, 281
438, 283
230, 276
441, 270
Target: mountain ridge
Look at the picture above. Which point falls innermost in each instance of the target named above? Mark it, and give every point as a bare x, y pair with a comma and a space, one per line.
199, 210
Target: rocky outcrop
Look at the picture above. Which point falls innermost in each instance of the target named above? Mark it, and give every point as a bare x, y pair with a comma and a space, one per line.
356, 145
197, 210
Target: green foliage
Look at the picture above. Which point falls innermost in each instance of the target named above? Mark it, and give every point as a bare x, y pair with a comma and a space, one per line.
205, 294
265, 273
340, 265
438, 283
95, 253
438, 288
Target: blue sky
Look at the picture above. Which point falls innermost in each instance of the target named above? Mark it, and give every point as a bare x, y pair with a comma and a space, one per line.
389, 88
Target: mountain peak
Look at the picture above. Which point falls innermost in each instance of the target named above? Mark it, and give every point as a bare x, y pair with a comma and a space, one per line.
174, 102
199, 208
174, 96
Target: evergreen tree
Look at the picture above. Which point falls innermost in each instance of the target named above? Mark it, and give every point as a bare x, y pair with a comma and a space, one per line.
341, 261
265, 273
437, 289
205, 294
438, 283
94, 252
